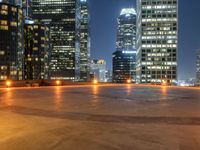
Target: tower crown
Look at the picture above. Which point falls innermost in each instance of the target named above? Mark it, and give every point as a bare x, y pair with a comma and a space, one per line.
127, 11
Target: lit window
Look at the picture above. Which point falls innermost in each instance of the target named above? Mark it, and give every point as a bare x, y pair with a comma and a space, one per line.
14, 9
4, 12
2, 52
4, 22
3, 27
4, 7
14, 24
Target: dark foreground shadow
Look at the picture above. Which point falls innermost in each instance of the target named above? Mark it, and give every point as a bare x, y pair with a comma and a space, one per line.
104, 118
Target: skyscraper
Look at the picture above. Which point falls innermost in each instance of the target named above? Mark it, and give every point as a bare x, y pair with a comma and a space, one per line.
157, 41
11, 41
84, 42
63, 19
124, 59
124, 65
198, 68
36, 51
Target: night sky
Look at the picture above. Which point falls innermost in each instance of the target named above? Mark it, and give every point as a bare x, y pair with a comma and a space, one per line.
104, 15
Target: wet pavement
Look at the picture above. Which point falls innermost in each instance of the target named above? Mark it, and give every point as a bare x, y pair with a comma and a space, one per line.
100, 117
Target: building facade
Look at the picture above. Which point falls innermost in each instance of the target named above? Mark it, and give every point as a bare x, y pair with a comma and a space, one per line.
84, 41
11, 42
98, 70
198, 68
157, 41
37, 50
12, 2
124, 59
63, 19
124, 66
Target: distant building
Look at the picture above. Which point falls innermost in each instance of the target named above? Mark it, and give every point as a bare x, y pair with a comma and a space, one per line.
108, 75
124, 59
37, 51
84, 41
187, 82
64, 20
124, 66
98, 70
11, 41
157, 41
198, 68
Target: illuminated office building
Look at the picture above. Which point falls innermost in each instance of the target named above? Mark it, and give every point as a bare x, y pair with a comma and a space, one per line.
11, 41
84, 42
124, 66
63, 19
198, 68
37, 51
157, 39
124, 59
98, 70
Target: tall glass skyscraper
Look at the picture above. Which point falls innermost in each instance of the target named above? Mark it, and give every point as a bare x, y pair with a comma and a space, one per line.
157, 41
124, 59
36, 51
11, 41
84, 42
63, 18
198, 68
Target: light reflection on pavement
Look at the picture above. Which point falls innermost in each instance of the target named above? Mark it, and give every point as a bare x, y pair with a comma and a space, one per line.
110, 117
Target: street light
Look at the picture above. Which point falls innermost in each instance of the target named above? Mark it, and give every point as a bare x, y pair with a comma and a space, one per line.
95, 81
128, 81
8, 83
58, 82
164, 82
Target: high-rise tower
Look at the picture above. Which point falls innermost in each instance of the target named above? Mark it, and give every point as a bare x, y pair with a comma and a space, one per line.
124, 59
63, 18
157, 41
11, 41
36, 51
84, 41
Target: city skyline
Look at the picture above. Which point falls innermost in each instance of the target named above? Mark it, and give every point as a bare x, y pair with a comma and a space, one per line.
102, 44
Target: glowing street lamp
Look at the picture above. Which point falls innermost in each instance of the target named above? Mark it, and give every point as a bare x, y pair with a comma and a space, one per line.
58, 82
95, 81
128, 81
8, 83
164, 82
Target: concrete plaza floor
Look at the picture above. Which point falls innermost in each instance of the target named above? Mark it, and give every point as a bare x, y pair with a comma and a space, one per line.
100, 117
